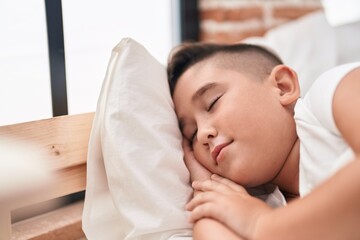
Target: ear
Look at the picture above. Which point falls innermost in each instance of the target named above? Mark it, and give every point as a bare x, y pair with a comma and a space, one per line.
286, 83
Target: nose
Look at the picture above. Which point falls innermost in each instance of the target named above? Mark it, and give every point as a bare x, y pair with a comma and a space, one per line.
206, 132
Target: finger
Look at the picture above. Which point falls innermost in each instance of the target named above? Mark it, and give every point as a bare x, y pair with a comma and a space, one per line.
188, 152
206, 210
196, 169
200, 198
190, 161
232, 185
193, 165
210, 185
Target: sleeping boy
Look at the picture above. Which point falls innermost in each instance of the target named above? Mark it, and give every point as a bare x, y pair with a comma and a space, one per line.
244, 126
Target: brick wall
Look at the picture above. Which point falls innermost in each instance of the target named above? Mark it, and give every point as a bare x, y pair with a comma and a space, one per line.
233, 20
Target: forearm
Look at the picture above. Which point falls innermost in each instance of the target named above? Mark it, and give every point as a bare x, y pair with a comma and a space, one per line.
209, 229
332, 211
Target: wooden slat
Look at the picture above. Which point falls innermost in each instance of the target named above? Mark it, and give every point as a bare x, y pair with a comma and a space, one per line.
64, 138
69, 180
5, 223
63, 223
65, 182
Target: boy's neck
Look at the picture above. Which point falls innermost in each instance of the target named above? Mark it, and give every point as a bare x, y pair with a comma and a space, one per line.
288, 178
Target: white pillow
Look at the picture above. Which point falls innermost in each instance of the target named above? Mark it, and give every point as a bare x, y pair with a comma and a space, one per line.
137, 183
307, 44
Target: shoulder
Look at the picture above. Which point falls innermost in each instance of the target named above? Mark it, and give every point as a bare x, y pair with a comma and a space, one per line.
319, 99
332, 77
346, 108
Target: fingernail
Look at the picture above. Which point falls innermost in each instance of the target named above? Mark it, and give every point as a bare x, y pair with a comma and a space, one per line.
194, 183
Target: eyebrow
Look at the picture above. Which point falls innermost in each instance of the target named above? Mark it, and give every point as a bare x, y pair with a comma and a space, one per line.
201, 91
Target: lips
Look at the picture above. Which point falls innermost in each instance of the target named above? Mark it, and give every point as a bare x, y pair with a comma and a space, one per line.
216, 152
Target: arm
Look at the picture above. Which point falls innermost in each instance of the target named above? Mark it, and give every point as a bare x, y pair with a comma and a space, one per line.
330, 212
210, 229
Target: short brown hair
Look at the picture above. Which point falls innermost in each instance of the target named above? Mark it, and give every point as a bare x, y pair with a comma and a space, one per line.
252, 59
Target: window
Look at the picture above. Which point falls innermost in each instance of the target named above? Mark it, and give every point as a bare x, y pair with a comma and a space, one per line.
24, 65
91, 29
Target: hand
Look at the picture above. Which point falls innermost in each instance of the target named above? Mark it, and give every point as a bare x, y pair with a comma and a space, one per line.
197, 171
228, 203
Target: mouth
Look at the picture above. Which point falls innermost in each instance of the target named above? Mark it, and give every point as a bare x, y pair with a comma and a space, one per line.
215, 154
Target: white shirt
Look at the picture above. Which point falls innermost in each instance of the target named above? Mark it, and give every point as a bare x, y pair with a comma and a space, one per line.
323, 150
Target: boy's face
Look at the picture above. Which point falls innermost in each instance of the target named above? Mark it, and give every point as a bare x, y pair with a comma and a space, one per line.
237, 125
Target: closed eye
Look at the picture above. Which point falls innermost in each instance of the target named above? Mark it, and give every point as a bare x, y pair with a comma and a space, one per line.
213, 103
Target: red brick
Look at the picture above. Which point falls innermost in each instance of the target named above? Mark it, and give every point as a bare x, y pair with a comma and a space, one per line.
240, 14
291, 12
212, 14
237, 14
230, 37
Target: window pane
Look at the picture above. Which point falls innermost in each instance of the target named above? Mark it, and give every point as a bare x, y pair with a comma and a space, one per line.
93, 28
24, 66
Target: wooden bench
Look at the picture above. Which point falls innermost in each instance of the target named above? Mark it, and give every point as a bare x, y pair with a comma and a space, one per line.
64, 140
